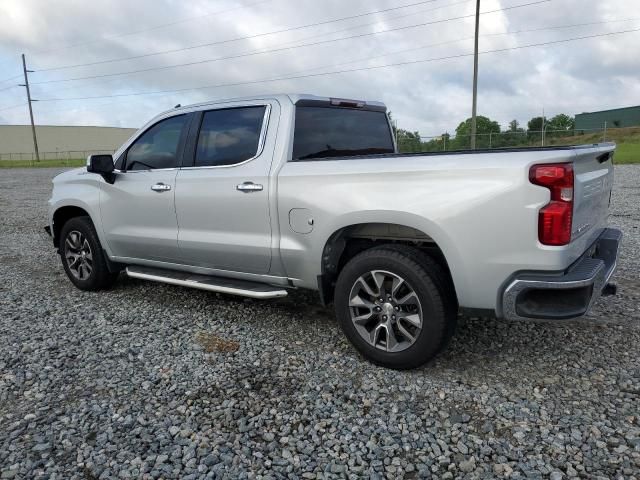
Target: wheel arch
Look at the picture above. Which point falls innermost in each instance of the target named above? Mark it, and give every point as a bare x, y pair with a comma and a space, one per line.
61, 216
349, 240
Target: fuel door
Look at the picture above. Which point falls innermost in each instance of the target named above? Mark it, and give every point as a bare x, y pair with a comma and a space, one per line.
301, 220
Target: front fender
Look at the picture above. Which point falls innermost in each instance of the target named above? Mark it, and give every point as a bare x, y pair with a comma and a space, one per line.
79, 189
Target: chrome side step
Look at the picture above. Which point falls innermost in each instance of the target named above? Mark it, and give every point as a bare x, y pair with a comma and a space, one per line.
229, 286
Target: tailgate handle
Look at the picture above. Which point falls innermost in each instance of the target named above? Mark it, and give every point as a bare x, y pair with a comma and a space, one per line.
604, 157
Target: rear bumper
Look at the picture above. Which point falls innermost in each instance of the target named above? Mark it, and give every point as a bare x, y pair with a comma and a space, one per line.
567, 294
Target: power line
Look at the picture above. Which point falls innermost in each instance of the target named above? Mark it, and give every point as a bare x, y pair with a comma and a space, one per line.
12, 106
220, 42
247, 54
448, 42
374, 67
353, 27
11, 78
8, 88
155, 27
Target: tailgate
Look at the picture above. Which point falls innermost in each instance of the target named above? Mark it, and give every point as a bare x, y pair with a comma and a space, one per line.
593, 171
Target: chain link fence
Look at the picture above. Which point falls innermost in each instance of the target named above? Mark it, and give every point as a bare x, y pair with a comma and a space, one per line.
57, 155
510, 139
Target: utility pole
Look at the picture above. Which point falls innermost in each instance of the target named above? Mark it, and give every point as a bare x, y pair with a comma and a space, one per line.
29, 101
542, 126
475, 80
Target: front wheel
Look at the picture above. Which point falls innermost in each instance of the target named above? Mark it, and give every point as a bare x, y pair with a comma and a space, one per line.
82, 256
395, 306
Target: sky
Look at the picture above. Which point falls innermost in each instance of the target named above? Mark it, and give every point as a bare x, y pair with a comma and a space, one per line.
415, 56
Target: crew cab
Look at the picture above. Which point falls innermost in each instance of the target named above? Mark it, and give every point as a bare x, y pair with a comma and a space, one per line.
258, 196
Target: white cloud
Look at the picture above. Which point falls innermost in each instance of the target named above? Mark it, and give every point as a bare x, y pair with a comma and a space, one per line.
431, 97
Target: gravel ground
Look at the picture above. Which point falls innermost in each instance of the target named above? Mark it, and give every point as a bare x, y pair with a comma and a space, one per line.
150, 381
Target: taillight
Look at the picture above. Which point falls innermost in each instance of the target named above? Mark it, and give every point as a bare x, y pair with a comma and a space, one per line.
555, 218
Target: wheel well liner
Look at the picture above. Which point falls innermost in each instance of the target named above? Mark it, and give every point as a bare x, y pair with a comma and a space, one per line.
62, 216
351, 240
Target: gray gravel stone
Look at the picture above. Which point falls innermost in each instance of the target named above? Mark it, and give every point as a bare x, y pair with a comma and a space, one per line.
119, 384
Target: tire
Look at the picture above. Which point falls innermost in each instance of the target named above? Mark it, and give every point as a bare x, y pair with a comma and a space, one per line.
417, 314
443, 279
82, 256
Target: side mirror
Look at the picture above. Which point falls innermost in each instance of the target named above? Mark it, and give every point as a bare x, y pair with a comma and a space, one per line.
102, 165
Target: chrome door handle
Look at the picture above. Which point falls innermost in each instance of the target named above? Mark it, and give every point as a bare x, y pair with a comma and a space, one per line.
248, 187
161, 187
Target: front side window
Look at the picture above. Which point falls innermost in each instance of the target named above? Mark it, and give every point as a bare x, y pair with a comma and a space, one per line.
229, 136
158, 146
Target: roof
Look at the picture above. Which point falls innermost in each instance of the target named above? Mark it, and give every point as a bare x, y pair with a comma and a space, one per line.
610, 110
38, 125
280, 97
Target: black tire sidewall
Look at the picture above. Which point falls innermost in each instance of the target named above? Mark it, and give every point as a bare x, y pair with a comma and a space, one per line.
99, 273
434, 317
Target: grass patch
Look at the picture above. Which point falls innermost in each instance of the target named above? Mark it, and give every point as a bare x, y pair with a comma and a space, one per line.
78, 162
627, 153
626, 139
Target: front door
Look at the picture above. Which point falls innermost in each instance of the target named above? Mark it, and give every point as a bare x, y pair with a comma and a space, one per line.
138, 209
222, 194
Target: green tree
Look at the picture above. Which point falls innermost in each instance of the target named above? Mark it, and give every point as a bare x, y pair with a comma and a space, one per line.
408, 141
535, 124
514, 136
484, 127
437, 144
562, 122
534, 128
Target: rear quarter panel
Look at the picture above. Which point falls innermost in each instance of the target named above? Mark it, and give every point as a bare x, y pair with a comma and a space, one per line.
480, 209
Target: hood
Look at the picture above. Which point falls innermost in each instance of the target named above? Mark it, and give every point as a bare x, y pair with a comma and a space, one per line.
70, 175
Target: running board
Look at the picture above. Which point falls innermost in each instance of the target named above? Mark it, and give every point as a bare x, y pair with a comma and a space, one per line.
230, 286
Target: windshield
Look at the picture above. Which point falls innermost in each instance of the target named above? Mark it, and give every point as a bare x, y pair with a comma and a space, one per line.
323, 132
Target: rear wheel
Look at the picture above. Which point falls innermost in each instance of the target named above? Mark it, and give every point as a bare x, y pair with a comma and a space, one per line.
395, 306
82, 256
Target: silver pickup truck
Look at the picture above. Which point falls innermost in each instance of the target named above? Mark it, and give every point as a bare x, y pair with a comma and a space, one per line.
257, 196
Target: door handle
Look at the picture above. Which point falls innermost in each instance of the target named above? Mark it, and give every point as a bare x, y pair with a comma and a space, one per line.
161, 187
248, 187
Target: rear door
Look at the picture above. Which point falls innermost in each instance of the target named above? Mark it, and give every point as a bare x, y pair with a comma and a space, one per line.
222, 191
138, 211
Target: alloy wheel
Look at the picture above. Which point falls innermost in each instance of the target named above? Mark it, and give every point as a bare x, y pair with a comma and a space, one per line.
385, 310
77, 253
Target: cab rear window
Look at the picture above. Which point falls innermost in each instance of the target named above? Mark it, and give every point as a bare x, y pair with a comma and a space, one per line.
329, 132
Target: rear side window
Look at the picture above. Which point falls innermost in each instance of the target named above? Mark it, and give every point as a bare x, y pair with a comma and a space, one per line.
229, 136
323, 132
157, 147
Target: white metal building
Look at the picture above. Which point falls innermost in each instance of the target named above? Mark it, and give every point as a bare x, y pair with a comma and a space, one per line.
59, 142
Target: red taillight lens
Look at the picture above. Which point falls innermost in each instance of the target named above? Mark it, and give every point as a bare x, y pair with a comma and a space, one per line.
555, 218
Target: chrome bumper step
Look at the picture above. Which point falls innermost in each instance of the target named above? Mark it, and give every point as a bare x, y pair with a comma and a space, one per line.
568, 294
229, 286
